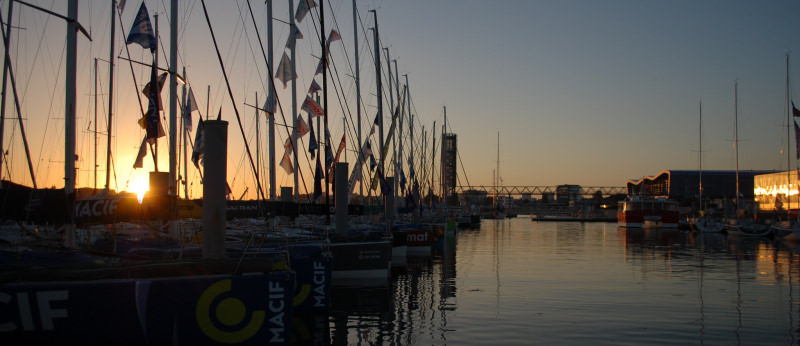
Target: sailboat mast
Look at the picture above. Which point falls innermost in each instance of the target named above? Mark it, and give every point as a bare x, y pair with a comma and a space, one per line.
95, 124
110, 92
379, 87
294, 102
6, 63
173, 104
736, 134
184, 136
271, 102
700, 160
70, 99
788, 140
358, 95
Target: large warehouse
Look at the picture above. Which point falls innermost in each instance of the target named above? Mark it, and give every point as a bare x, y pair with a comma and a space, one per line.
682, 185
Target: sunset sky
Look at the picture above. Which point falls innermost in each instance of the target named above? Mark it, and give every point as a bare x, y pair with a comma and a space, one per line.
580, 92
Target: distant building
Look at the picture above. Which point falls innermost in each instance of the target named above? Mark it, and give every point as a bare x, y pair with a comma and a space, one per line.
771, 191
682, 185
568, 193
473, 197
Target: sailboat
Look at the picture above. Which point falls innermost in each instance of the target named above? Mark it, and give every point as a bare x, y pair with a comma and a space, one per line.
787, 229
702, 223
80, 294
742, 224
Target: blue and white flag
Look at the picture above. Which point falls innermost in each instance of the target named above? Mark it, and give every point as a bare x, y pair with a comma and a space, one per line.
142, 31
191, 106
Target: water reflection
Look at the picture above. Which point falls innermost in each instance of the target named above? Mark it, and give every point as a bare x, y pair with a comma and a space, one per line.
569, 282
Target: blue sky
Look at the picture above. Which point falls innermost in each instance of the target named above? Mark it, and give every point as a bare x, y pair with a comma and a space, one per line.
581, 92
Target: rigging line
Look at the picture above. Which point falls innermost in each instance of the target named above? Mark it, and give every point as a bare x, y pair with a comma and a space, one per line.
17, 104
252, 52
230, 92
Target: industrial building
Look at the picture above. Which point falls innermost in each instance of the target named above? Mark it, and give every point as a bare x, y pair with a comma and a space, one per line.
683, 185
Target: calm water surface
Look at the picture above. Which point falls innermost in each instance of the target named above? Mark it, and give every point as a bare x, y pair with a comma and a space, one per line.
521, 282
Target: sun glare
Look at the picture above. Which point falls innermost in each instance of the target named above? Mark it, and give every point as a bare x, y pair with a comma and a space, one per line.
140, 186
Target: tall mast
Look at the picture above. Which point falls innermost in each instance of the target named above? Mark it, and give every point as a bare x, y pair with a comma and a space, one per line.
700, 159
5, 80
325, 105
95, 124
70, 99
173, 103
185, 135
110, 93
736, 134
294, 103
158, 109
358, 96
379, 87
271, 102
788, 140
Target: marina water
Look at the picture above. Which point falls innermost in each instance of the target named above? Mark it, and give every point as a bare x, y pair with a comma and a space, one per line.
516, 281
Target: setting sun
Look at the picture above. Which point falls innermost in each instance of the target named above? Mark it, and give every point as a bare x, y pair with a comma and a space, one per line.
140, 186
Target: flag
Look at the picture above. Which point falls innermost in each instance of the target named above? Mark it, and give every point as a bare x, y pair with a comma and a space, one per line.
797, 139
285, 70
142, 153
795, 111
366, 150
142, 31
319, 67
314, 87
286, 163
334, 35
402, 181
302, 9
375, 123
199, 143
312, 107
318, 176
312, 142
191, 106
385, 189
302, 127
372, 162
291, 42
288, 143
121, 5
154, 130
269, 105
338, 153
328, 150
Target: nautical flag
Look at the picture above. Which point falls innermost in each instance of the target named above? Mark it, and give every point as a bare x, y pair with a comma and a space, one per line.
286, 163
314, 87
288, 143
302, 9
199, 142
795, 111
142, 31
366, 150
328, 150
285, 70
139, 163
154, 130
269, 105
291, 42
338, 153
162, 78
385, 189
402, 180
121, 5
372, 162
318, 176
191, 106
312, 107
797, 139
375, 123
319, 67
334, 35
302, 127
312, 142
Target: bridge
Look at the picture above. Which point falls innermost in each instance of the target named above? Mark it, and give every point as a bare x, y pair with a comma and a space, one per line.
538, 191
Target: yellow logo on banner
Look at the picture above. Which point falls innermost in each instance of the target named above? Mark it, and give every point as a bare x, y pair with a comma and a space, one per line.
229, 312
